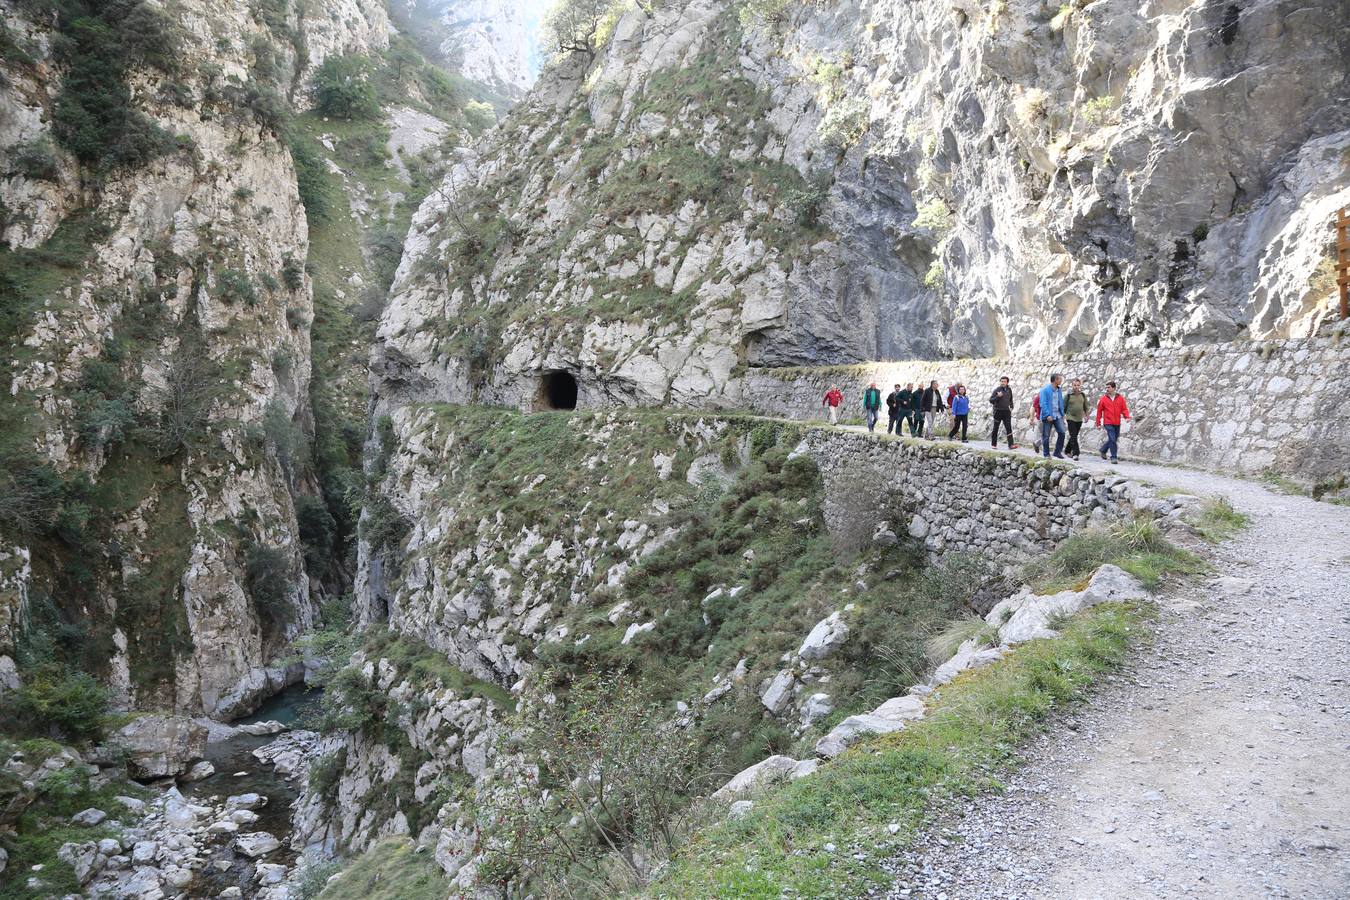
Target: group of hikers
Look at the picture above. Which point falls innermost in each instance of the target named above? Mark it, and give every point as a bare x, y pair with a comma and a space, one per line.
1053, 411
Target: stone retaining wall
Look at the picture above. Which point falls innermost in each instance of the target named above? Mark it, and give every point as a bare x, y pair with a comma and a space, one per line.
957, 498
1245, 407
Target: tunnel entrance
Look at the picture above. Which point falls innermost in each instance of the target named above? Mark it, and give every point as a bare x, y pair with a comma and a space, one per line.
558, 390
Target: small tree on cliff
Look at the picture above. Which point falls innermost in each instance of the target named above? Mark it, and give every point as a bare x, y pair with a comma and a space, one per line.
579, 26
607, 794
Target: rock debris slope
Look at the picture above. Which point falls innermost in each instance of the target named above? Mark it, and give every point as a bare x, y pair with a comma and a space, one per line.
1213, 767
730, 185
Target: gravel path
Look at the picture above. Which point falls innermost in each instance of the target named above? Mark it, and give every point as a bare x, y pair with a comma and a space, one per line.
1216, 764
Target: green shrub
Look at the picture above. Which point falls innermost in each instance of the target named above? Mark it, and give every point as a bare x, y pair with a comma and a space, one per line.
343, 89
311, 180
268, 577
36, 159
292, 274
56, 702
99, 42
935, 216
479, 116
235, 286
317, 532
844, 124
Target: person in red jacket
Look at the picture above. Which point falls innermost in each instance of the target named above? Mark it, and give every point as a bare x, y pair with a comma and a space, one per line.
1111, 410
833, 397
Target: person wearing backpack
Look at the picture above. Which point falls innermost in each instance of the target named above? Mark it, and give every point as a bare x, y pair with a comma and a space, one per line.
960, 413
1111, 411
872, 404
833, 397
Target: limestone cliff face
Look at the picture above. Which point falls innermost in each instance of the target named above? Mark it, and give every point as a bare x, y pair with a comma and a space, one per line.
160, 368
491, 42
729, 185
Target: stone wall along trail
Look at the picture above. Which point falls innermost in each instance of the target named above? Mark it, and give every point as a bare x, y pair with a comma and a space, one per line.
1214, 765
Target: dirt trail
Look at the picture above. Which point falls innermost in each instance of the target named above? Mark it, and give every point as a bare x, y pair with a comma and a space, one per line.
1217, 764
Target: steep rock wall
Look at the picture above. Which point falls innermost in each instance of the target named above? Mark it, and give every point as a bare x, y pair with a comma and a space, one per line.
777, 184
1282, 406
158, 355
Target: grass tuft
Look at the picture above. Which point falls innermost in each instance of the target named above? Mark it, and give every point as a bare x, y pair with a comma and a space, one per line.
1138, 546
941, 646
1217, 520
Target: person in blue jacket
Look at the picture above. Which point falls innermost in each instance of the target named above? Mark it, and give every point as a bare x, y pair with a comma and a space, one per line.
960, 413
1052, 416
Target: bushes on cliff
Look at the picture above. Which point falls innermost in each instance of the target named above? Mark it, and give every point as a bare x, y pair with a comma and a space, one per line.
55, 702
343, 89
99, 43
609, 800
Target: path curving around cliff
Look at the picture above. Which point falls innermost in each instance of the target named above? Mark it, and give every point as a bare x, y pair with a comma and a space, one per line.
1214, 764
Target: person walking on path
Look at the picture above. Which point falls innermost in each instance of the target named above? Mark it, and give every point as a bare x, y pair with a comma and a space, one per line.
1111, 410
904, 416
833, 397
915, 411
1052, 416
872, 404
1035, 422
1076, 411
960, 413
932, 405
1002, 402
894, 407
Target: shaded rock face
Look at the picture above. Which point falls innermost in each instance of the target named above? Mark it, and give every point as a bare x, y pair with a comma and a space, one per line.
885, 179
182, 292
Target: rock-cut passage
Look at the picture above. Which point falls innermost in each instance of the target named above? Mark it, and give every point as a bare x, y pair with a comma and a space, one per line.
557, 390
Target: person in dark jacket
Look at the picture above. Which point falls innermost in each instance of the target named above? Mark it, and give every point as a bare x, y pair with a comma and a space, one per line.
960, 413
872, 404
1077, 408
903, 397
1002, 402
932, 405
894, 411
915, 411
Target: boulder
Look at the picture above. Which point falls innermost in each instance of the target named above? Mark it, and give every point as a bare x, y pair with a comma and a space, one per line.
269, 873
816, 707
256, 844
83, 859
740, 809
144, 852
262, 729
144, 884
158, 746
776, 696
198, 770
825, 638
847, 732
245, 801
88, 818
803, 768
761, 773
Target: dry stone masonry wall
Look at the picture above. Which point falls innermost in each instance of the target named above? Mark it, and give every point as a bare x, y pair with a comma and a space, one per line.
956, 499
1246, 407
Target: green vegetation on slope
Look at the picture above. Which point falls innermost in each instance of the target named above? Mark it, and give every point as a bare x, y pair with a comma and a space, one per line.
970, 736
35, 818
393, 869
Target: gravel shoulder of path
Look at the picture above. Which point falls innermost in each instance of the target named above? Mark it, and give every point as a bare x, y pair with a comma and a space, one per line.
1215, 764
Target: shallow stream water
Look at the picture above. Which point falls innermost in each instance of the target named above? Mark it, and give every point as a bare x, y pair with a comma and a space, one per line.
237, 772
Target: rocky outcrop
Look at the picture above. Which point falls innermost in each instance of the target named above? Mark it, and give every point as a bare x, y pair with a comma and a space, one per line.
166, 353
879, 180
492, 42
160, 746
